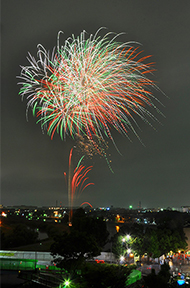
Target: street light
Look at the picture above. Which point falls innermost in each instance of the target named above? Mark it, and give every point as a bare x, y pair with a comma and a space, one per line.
66, 283
122, 259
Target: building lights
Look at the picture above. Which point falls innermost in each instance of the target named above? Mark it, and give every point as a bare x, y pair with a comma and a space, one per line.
3, 214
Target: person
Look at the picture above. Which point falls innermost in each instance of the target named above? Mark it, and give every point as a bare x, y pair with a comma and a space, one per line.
170, 263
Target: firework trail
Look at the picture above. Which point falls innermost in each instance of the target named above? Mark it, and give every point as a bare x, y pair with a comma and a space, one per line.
88, 85
87, 203
77, 181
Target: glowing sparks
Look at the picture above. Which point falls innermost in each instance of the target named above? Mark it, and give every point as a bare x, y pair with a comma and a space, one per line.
87, 204
77, 181
87, 86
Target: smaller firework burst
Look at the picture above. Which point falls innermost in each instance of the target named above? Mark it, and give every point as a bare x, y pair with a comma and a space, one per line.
77, 181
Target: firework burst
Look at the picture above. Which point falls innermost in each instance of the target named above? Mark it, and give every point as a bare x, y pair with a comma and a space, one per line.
87, 86
77, 181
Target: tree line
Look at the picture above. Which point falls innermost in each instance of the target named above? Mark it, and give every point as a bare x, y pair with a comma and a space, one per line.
153, 240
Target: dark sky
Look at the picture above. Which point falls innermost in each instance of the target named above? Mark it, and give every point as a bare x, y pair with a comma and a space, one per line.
32, 165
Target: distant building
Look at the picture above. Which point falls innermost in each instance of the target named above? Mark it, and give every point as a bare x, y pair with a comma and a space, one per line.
185, 209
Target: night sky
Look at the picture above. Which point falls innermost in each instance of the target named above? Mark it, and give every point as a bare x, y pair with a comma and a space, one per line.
157, 174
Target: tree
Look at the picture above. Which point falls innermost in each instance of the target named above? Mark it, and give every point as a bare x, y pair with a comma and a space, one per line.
171, 240
21, 235
155, 241
153, 244
106, 275
170, 232
90, 225
85, 240
71, 249
117, 245
134, 240
138, 246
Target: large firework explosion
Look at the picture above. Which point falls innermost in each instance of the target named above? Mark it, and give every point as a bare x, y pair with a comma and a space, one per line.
88, 85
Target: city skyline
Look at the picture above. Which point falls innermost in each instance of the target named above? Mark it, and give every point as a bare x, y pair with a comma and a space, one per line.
33, 165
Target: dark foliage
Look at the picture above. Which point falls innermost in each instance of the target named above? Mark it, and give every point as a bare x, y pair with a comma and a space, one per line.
20, 235
158, 281
153, 240
85, 240
104, 275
